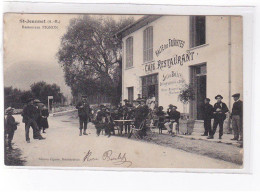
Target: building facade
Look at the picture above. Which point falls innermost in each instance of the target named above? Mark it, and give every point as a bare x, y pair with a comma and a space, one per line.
164, 54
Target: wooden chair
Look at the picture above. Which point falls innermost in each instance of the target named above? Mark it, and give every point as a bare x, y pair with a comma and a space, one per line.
136, 131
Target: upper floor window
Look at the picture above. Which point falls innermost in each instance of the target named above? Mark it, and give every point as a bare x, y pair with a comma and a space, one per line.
129, 52
197, 31
148, 44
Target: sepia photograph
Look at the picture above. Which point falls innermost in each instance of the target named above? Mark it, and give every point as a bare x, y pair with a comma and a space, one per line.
123, 91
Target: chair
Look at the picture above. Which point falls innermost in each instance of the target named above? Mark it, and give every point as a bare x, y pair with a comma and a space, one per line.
136, 131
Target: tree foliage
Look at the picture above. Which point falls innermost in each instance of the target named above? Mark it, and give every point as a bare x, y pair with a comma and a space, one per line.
187, 94
90, 55
16, 98
41, 90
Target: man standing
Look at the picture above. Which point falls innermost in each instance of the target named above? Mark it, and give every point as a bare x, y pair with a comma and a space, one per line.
208, 114
219, 113
29, 118
83, 113
237, 117
126, 115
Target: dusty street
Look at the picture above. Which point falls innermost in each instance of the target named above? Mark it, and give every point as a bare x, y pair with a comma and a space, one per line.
64, 147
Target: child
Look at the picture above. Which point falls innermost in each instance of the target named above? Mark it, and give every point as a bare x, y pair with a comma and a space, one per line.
11, 126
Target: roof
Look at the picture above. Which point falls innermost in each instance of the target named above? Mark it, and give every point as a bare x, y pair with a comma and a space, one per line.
137, 25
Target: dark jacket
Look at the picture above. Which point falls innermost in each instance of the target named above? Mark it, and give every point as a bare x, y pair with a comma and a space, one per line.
100, 115
30, 112
38, 117
237, 108
220, 114
83, 112
208, 111
11, 125
44, 118
161, 115
174, 115
141, 112
115, 116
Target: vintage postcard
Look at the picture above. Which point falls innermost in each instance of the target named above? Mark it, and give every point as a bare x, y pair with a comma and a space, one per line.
123, 91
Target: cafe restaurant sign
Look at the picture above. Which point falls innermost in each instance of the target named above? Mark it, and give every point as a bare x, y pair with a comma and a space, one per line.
171, 61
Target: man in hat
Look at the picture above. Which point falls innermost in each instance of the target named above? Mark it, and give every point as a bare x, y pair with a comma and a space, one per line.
219, 114
29, 118
237, 117
173, 116
84, 114
139, 97
207, 114
11, 125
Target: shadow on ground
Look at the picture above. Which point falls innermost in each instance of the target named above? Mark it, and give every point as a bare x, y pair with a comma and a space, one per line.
13, 157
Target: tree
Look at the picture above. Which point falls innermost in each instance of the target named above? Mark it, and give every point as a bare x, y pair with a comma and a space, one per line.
90, 55
15, 97
42, 90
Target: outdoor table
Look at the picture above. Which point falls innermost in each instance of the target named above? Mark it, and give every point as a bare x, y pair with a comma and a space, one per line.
121, 126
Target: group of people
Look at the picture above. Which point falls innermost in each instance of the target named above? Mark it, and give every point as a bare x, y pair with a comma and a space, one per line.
218, 113
137, 113
104, 117
35, 115
141, 110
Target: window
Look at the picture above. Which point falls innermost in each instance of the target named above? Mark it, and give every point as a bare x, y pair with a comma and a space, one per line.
148, 44
129, 52
197, 31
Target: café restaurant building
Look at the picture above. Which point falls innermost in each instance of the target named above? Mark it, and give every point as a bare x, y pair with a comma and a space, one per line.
164, 54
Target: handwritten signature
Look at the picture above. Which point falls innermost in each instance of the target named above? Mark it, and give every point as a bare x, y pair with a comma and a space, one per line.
116, 159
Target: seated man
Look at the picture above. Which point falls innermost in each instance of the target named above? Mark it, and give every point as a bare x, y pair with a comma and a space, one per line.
173, 116
100, 122
161, 117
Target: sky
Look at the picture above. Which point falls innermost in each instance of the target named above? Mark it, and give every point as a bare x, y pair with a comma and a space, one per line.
30, 54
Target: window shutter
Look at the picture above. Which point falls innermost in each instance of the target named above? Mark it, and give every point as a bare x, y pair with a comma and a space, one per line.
129, 52
148, 44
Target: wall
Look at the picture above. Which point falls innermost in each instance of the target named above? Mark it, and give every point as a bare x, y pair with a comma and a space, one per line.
171, 79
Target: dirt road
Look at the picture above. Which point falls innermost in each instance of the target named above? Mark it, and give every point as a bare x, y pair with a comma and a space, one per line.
64, 147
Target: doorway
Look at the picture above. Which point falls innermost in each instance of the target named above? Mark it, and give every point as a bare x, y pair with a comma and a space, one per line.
198, 79
130, 94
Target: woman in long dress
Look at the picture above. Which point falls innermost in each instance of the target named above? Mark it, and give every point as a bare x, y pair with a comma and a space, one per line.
44, 120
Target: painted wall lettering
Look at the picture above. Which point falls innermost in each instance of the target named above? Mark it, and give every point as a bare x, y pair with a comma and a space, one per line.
171, 43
